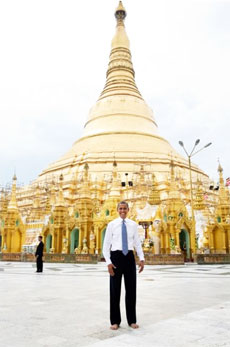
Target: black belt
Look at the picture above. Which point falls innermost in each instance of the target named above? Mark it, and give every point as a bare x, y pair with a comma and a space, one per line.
118, 251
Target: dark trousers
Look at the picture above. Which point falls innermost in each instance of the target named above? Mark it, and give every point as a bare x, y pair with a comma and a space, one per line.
125, 265
39, 264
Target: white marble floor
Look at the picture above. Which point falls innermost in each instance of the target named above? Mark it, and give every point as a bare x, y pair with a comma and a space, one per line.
68, 305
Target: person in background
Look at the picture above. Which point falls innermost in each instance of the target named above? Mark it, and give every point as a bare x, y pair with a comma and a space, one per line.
39, 254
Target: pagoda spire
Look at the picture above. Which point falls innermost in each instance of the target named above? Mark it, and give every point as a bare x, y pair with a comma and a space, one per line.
115, 190
154, 196
120, 74
13, 202
223, 208
84, 191
222, 189
60, 200
174, 193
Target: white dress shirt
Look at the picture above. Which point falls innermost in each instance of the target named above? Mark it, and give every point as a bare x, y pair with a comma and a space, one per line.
113, 238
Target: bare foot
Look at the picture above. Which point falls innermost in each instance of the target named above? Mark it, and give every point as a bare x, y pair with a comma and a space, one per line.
114, 326
134, 326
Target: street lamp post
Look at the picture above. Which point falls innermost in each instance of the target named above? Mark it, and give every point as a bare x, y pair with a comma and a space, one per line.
190, 179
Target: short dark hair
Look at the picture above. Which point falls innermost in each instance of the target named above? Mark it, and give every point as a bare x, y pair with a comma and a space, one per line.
122, 203
40, 237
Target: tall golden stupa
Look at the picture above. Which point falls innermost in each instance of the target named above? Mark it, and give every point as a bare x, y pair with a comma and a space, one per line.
120, 156
120, 125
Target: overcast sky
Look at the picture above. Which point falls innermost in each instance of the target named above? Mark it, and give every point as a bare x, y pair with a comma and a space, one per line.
53, 61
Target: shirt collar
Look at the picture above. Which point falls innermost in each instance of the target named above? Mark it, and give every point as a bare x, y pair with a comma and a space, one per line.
121, 219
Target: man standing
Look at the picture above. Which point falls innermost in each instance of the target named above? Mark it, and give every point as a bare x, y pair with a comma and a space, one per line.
39, 254
120, 240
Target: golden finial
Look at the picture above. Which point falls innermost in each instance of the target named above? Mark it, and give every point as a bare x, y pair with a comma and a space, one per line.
60, 199
171, 163
114, 161
13, 202
86, 167
120, 12
153, 177
172, 166
158, 214
220, 169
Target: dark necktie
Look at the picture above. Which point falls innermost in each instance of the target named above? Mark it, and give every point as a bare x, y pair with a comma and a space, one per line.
124, 238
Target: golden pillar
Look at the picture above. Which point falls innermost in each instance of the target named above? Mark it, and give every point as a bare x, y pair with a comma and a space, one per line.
162, 243
80, 238
97, 238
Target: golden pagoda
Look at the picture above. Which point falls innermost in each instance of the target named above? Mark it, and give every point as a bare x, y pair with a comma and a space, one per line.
120, 156
119, 125
12, 226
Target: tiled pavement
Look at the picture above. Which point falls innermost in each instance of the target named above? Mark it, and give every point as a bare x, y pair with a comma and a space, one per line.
67, 305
